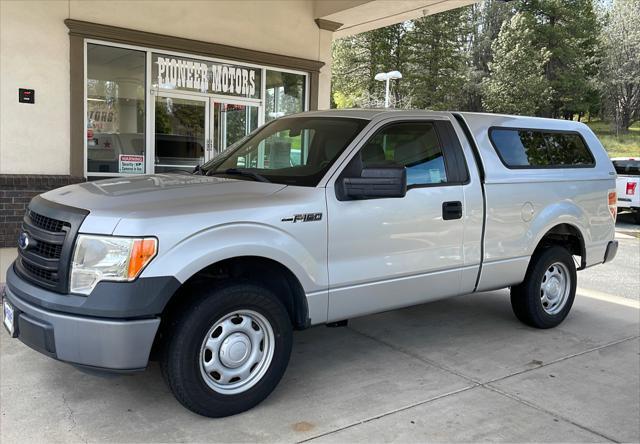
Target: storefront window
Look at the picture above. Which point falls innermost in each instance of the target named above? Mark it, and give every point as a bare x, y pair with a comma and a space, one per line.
115, 110
285, 94
197, 108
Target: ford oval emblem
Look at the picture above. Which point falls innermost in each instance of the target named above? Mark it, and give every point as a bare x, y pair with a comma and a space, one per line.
23, 241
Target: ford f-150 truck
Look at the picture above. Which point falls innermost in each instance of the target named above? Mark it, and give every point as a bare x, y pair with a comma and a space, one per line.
311, 219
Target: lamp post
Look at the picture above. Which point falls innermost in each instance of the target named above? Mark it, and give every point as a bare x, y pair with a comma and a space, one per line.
385, 77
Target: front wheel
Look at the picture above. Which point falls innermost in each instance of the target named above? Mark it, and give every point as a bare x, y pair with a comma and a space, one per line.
228, 350
545, 297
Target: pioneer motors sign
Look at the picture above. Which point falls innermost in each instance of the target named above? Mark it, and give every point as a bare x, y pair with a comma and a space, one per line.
174, 73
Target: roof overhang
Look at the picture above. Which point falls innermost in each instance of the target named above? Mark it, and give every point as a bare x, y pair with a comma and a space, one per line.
349, 17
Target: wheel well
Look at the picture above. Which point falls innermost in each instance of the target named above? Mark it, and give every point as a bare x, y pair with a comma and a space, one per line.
266, 272
567, 236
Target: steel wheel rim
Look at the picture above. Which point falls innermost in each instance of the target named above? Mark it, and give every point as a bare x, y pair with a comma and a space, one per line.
236, 352
555, 288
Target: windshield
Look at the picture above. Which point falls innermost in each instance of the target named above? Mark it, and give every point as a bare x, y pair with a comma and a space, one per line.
292, 151
629, 167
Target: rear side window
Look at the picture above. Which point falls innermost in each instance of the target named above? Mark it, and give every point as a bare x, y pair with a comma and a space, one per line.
629, 167
528, 148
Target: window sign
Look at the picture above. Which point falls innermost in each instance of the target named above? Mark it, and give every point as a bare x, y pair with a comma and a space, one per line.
131, 164
182, 74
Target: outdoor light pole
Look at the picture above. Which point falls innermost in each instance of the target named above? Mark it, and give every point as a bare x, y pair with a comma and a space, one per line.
386, 76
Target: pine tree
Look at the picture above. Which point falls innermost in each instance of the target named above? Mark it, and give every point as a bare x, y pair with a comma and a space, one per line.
359, 58
569, 30
446, 58
486, 19
517, 84
438, 60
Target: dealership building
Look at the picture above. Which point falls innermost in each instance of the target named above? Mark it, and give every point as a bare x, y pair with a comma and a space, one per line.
95, 89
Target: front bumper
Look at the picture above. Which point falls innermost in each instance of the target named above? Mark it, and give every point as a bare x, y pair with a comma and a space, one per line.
98, 342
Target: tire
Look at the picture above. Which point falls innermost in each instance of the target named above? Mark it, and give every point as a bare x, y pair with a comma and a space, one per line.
545, 297
252, 339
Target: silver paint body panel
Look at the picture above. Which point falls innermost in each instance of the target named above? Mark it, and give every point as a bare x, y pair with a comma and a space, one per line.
372, 255
575, 196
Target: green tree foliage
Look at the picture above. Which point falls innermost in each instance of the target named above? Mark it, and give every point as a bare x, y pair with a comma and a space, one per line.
517, 84
438, 63
485, 20
357, 59
620, 68
569, 29
556, 61
443, 59
428, 51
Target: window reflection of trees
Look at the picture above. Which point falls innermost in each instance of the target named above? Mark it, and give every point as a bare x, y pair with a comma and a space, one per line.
541, 149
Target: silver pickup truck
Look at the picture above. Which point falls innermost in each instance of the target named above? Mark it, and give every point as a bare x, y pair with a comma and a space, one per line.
312, 219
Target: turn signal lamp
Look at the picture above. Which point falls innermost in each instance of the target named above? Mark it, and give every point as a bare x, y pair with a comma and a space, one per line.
142, 251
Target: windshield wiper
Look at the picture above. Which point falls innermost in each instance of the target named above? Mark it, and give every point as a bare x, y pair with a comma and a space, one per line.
239, 172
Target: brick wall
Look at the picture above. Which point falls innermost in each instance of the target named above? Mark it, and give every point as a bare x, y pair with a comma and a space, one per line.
16, 190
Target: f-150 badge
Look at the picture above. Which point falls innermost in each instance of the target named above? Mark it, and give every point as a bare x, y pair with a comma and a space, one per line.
308, 217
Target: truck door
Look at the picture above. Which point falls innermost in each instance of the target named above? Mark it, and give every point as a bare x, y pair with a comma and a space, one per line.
393, 252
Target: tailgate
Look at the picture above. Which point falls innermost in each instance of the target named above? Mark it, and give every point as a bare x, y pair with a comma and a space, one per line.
628, 189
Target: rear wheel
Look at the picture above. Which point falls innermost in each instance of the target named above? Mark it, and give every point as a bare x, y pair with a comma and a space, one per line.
228, 351
545, 297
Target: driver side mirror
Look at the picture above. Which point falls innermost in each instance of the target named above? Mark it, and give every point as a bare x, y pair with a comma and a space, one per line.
377, 182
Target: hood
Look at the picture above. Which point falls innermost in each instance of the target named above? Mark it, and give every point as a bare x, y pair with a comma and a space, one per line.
160, 193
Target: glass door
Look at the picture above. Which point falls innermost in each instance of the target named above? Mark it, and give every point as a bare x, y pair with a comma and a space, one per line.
189, 130
181, 132
231, 121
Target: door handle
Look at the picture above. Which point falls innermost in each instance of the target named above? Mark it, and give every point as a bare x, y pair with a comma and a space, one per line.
452, 210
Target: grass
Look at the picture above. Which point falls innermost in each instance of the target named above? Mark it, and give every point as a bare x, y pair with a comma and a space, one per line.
624, 145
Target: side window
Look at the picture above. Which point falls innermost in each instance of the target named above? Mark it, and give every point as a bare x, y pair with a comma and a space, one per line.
521, 148
414, 145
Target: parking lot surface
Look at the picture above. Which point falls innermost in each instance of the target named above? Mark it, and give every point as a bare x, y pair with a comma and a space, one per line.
621, 276
462, 369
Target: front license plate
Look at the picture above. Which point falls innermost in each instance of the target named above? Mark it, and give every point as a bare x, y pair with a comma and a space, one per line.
8, 316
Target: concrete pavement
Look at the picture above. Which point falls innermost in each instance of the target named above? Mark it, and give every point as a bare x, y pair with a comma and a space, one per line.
620, 277
462, 369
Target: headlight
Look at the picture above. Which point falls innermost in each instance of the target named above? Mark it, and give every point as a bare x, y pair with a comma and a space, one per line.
108, 258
